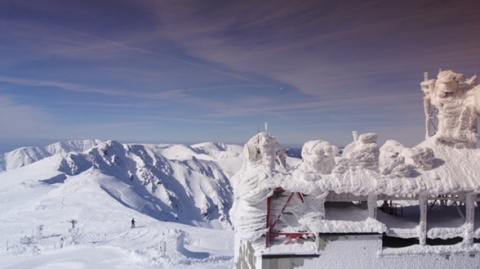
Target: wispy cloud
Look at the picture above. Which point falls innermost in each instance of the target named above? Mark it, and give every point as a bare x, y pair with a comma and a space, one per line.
180, 95
305, 63
20, 120
62, 85
317, 44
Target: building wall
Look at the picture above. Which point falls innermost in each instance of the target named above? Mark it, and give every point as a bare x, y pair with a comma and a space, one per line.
362, 251
283, 263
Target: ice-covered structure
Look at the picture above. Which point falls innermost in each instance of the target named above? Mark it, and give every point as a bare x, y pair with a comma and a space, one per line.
373, 206
456, 102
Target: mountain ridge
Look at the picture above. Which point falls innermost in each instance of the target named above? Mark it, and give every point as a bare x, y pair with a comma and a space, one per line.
191, 186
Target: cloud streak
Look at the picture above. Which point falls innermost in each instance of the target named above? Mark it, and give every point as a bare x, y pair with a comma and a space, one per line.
309, 63
364, 39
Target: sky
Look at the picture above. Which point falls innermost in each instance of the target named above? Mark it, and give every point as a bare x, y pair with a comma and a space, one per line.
195, 71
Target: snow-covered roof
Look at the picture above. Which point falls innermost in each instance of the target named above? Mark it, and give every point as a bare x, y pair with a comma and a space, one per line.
446, 162
365, 168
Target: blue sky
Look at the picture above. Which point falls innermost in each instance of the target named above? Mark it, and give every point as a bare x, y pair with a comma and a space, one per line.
195, 71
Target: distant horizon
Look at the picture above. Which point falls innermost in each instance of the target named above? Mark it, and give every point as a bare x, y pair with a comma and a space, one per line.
7, 145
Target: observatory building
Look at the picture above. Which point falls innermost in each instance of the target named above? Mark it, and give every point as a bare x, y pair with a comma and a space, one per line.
372, 206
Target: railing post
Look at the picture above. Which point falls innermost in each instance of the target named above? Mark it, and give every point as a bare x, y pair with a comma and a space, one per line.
469, 218
372, 205
422, 227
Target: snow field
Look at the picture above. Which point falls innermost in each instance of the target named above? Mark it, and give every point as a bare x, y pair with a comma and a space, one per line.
73, 209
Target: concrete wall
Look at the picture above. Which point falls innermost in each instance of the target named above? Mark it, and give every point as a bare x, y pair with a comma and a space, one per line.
283, 262
362, 251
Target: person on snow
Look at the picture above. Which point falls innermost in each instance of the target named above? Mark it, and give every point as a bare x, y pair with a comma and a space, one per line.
133, 223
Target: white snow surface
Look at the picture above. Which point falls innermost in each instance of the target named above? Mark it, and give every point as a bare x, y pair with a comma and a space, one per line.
179, 196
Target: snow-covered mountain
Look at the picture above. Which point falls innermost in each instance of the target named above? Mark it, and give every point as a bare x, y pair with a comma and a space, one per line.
187, 184
71, 196
27, 155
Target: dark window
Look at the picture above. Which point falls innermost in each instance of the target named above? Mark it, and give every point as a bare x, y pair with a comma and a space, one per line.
440, 242
396, 242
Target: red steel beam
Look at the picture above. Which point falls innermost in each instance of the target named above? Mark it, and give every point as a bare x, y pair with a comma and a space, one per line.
281, 212
269, 226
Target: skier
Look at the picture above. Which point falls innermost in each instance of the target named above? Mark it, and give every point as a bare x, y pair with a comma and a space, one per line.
133, 223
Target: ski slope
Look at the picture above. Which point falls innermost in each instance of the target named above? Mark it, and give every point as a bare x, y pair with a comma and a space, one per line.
72, 207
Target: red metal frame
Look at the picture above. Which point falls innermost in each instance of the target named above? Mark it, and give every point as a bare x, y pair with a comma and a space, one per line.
281, 212
290, 236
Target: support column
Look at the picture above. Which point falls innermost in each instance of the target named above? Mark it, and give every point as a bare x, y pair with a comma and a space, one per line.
372, 205
267, 235
422, 226
469, 219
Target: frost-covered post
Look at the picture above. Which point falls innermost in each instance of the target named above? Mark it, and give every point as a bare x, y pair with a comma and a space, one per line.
422, 227
372, 205
469, 218
40, 231
251, 189
428, 87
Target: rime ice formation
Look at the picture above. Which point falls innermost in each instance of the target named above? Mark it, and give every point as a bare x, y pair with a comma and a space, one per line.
391, 160
363, 151
422, 157
263, 158
445, 163
457, 101
264, 150
319, 156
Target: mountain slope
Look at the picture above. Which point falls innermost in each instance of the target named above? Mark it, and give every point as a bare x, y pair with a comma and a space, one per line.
192, 188
69, 205
37, 228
